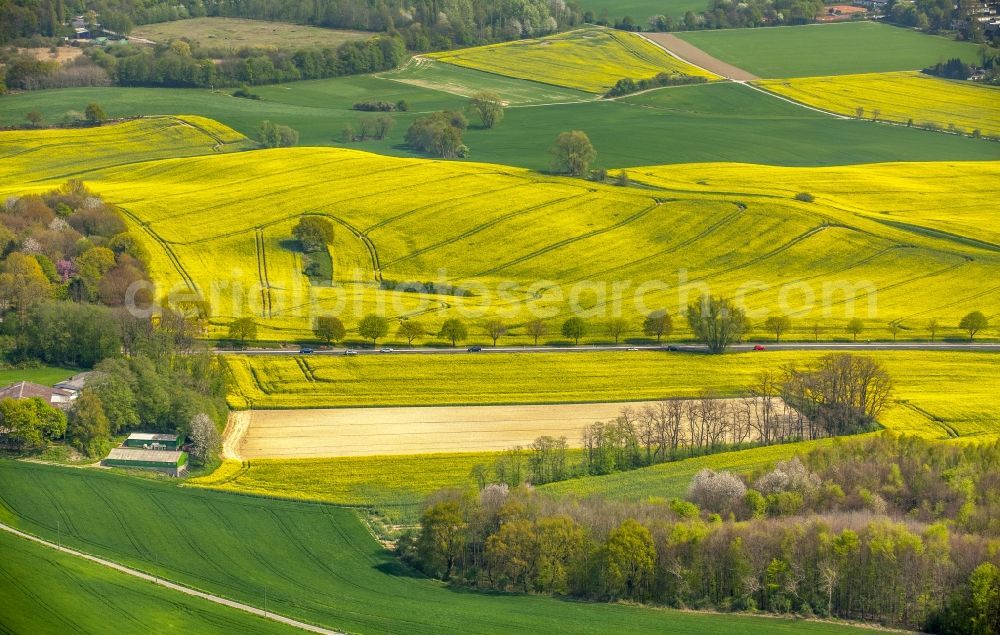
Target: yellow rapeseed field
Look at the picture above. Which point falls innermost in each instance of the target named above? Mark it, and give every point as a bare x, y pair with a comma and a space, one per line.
590, 59
937, 394
907, 241
902, 97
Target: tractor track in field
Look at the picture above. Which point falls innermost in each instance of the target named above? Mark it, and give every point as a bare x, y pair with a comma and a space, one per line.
188, 280
169, 585
938, 421
568, 241
368, 243
484, 226
451, 201
674, 248
265, 285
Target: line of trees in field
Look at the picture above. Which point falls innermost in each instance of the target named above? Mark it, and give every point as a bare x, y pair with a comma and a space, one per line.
892, 537
841, 394
714, 322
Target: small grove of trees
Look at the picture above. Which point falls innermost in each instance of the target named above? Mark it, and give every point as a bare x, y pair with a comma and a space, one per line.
843, 393
439, 134
272, 135
717, 322
314, 233
572, 153
94, 113
377, 128
933, 571
28, 424
489, 107
627, 86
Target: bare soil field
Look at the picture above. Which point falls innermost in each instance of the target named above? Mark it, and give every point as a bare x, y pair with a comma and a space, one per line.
694, 55
419, 430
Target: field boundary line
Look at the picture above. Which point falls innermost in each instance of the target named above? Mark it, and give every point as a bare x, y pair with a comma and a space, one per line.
172, 585
760, 89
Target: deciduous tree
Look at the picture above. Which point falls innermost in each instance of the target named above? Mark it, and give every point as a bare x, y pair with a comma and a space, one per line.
454, 330
974, 322
496, 329
536, 329
717, 322
329, 329
489, 107
372, 327
243, 329
572, 153
658, 324
778, 324
574, 328
411, 330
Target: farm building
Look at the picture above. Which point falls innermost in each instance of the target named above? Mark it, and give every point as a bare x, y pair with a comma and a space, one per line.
173, 462
58, 397
153, 441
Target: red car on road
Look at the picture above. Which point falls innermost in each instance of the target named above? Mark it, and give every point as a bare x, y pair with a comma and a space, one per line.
759, 347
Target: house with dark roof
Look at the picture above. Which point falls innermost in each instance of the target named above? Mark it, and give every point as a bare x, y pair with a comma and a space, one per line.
58, 397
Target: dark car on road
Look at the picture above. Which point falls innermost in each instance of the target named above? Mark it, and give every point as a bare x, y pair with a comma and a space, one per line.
475, 349
305, 350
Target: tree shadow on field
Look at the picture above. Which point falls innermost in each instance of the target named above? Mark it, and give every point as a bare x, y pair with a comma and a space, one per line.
291, 244
397, 569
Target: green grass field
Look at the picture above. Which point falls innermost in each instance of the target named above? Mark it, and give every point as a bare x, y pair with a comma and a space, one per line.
45, 591
641, 9
671, 480
409, 220
706, 123
318, 562
45, 375
937, 394
829, 49
237, 33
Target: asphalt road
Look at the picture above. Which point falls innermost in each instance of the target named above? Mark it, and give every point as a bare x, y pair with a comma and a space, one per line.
685, 348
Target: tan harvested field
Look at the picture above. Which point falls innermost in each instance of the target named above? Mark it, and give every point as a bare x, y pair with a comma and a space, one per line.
694, 55
418, 430
62, 55
236, 33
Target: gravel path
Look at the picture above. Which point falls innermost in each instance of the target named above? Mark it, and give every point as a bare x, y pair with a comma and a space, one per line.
694, 55
175, 587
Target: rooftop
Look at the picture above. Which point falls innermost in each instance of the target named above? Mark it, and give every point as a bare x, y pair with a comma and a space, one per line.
27, 390
169, 457
152, 436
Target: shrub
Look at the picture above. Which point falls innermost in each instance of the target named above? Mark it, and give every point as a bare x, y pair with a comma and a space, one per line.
805, 197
